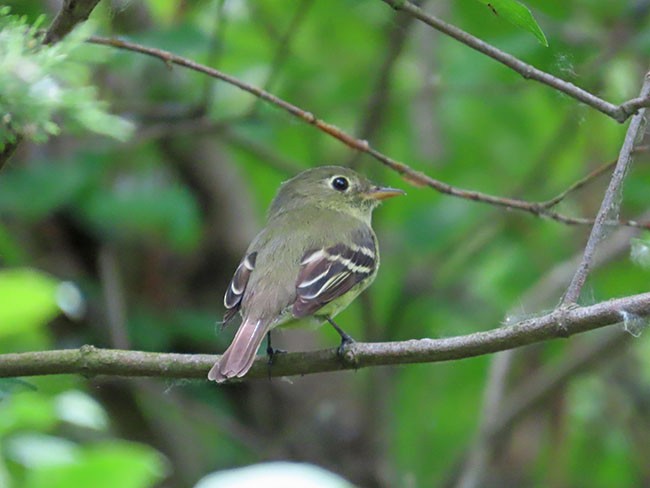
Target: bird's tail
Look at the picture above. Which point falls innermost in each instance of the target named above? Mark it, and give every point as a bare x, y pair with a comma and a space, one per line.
239, 356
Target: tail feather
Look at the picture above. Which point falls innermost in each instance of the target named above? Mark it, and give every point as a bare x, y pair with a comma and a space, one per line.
239, 356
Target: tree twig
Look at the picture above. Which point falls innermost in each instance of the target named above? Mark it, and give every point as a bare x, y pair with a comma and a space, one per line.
375, 111
604, 168
283, 49
542, 384
610, 201
501, 409
72, 12
409, 174
620, 113
478, 459
89, 360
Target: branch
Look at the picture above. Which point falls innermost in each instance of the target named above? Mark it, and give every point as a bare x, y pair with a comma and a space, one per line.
501, 410
541, 385
610, 203
620, 113
398, 30
534, 392
72, 13
89, 360
9, 149
282, 51
582, 182
416, 178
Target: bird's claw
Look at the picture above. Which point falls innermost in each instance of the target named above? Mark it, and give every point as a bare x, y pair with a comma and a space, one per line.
271, 353
346, 340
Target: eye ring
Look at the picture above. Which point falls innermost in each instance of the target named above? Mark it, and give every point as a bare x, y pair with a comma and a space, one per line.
340, 183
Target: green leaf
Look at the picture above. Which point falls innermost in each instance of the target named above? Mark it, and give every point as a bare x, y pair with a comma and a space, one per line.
39, 85
107, 465
30, 298
517, 14
26, 411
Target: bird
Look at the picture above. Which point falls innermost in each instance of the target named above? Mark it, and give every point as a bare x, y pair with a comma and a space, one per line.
315, 255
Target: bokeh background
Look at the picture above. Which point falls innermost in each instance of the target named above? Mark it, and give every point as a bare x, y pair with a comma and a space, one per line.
137, 239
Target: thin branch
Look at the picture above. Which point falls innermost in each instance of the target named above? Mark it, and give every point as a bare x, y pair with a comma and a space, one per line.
582, 182
475, 466
531, 396
620, 113
501, 412
610, 203
282, 50
89, 360
271, 158
215, 52
114, 299
541, 385
222, 128
375, 111
416, 178
602, 169
9, 149
72, 13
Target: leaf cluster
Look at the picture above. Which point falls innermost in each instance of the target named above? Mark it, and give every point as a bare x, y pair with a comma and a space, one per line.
44, 87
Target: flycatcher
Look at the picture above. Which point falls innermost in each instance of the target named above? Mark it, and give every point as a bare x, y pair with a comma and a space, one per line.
316, 254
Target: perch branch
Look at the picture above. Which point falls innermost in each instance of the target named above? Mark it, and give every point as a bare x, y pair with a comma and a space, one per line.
72, 12
90, 361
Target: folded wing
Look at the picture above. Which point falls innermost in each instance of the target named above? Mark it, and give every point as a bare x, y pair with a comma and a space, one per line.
327, 273
233, 297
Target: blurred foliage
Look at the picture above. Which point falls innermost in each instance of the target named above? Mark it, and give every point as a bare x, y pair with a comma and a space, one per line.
38, 84
149, 231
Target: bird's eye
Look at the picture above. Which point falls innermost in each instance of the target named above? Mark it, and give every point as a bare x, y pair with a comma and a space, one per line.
340, 183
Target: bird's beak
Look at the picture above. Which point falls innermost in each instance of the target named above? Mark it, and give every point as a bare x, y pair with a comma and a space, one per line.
383, 192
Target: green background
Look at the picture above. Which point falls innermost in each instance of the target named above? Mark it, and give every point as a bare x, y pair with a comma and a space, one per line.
150, 230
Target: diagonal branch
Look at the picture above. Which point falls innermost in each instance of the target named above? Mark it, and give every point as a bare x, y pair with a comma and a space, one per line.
72, 12
582, 182
541, 385
413, 176
610, 203
90, 361
283, 49
501, 408
620, 113
375, 111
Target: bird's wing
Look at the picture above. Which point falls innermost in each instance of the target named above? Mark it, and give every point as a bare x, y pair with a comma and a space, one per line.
327, 273
232, 298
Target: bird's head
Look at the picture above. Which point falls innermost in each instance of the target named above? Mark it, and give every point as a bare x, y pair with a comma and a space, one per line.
334, 188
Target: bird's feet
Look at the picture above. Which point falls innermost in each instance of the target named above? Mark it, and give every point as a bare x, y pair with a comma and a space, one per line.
346, 340
272, 353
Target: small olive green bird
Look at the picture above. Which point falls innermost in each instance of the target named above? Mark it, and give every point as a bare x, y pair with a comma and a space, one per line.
316, 254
